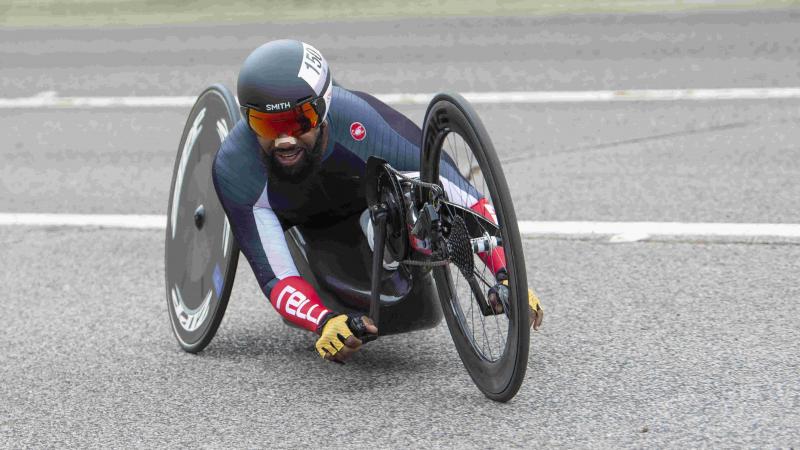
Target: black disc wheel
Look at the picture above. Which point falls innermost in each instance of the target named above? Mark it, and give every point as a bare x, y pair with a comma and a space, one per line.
492, 341
200, 251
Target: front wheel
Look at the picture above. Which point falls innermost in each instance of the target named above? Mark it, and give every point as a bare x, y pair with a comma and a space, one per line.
459, 156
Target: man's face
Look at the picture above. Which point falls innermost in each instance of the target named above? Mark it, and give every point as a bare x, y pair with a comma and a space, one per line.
293, 159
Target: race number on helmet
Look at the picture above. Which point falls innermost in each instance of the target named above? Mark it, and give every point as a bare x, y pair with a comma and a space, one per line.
284, 87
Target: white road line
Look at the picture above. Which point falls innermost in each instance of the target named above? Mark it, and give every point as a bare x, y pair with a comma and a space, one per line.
84, 220
621, 231
52, 100
628, 231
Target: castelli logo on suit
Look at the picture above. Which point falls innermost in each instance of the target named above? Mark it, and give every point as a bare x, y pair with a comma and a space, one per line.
357, 131
295, 303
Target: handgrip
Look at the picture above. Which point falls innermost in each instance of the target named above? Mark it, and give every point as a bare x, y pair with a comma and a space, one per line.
359, 329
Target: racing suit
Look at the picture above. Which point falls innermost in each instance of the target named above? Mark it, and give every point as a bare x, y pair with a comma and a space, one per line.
260, 209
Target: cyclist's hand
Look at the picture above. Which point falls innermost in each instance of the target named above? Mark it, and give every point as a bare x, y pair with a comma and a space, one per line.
341, 336
498, 300
536, 313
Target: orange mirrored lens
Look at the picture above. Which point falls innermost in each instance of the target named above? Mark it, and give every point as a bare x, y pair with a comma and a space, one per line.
297, 121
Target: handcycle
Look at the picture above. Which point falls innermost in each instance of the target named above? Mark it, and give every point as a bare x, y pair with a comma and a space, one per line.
435, 240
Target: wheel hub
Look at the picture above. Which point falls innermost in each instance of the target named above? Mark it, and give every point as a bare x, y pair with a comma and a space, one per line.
199, 217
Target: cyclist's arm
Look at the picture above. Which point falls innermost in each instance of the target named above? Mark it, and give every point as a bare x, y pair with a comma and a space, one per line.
292, 296
261, 239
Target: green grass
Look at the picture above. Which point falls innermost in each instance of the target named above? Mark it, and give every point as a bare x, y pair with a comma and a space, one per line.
99, 13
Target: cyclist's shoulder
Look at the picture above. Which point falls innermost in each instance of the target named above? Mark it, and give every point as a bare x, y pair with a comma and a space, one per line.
349, 103
361, 118
238, 171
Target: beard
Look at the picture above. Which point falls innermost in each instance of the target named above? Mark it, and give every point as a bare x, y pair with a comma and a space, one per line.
308, 164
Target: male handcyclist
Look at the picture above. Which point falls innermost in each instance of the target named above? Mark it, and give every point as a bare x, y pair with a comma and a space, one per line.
297, 157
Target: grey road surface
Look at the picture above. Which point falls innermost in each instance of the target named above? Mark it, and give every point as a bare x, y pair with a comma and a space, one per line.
652, 344
721, 49
692, 162
655, 345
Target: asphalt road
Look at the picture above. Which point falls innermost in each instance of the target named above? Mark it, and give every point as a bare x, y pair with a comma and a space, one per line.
579, 52
693, 162
651, 344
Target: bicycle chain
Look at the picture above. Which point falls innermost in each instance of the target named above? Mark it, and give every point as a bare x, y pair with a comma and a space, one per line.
411, 262
433, 187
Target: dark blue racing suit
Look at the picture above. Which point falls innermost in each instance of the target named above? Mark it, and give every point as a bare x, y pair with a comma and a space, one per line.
260, 209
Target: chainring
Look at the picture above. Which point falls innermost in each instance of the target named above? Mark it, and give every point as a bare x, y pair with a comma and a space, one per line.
382, 186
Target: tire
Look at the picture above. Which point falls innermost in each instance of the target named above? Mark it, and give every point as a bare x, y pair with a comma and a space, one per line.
450, 119
200, 251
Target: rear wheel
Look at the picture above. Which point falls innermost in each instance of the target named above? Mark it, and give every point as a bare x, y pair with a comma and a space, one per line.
201, 253
493, 346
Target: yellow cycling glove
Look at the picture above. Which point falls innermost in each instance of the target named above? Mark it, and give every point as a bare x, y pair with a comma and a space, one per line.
333, 335
341, 335
536, 312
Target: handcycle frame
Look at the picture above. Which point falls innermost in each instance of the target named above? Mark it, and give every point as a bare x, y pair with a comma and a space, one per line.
408, 222
410, 213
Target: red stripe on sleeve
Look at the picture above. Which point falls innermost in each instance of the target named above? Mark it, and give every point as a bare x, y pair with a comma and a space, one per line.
297, 301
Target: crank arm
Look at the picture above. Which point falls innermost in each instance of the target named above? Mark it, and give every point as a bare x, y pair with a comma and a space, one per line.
483, 303
378, 214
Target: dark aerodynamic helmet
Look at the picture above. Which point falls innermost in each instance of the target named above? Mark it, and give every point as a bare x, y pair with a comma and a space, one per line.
284, 86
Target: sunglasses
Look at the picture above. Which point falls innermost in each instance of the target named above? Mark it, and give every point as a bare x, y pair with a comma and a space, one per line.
269, 125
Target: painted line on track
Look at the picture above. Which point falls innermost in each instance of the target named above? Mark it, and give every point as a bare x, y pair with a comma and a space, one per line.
51, 99
619, 231
632, 231
85, 220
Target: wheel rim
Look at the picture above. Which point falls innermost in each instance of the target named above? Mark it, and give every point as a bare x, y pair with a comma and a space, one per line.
497, 376
200, 251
